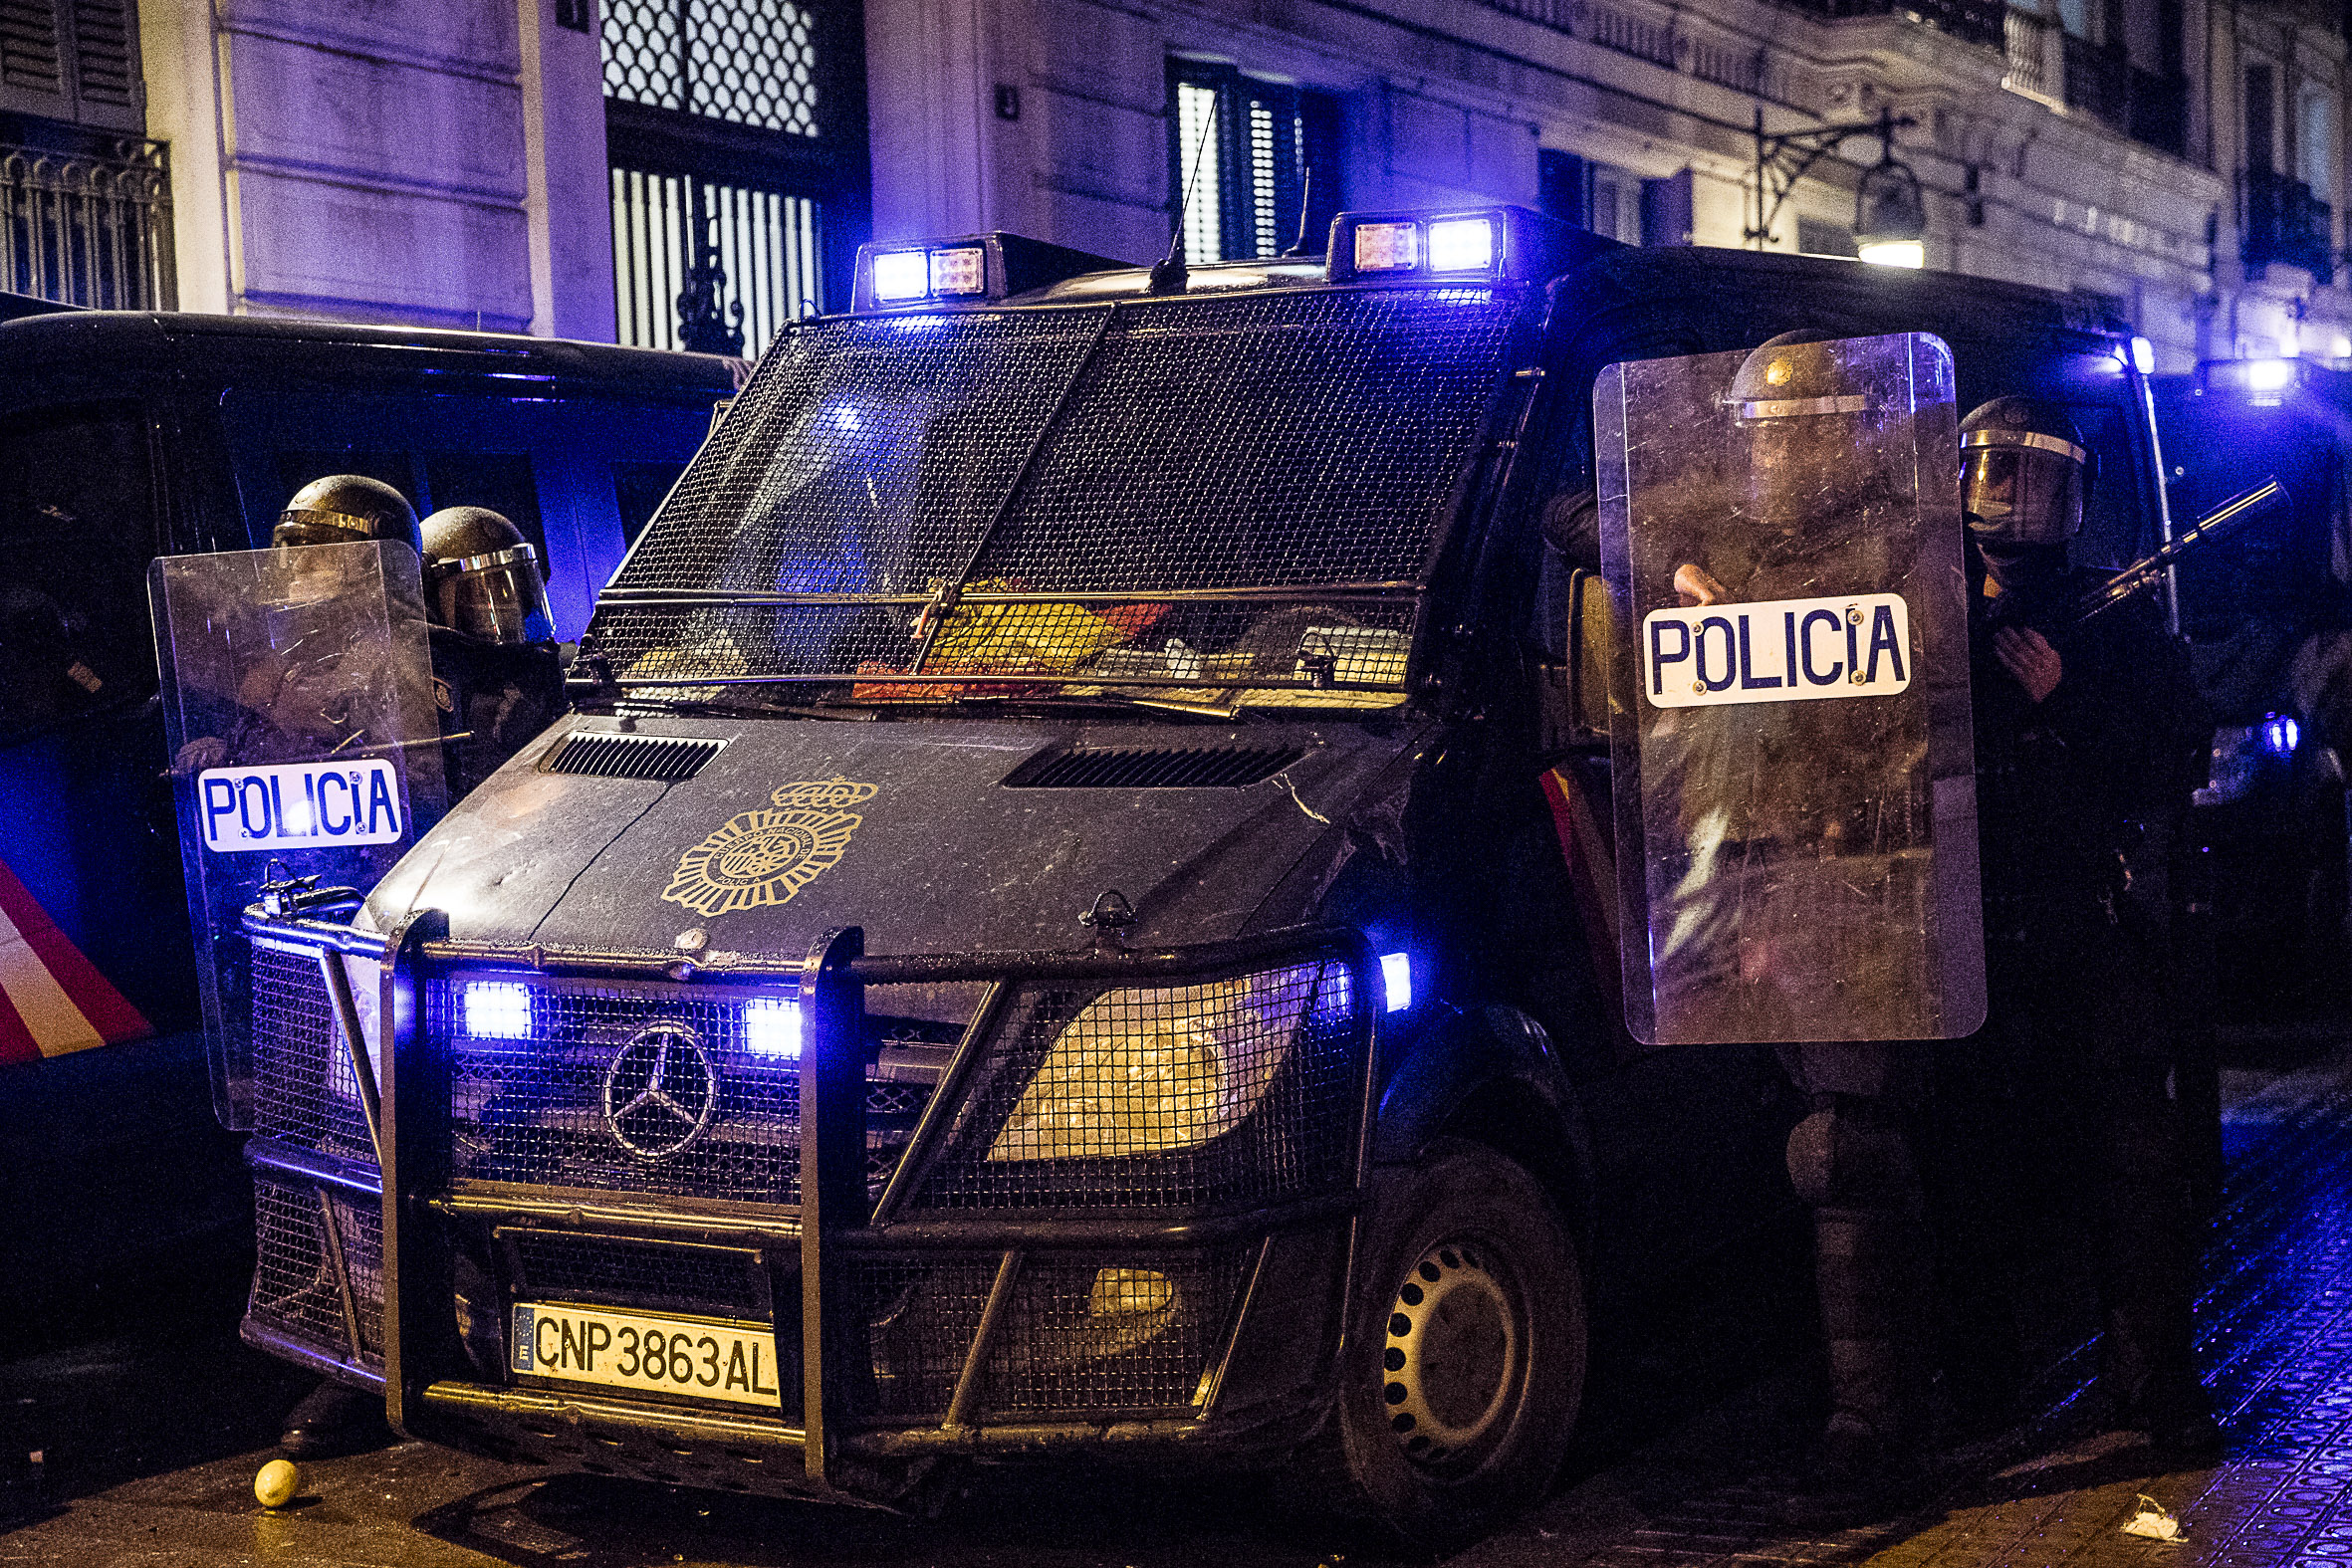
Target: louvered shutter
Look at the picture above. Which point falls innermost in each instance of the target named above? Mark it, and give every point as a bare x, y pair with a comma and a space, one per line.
73, 60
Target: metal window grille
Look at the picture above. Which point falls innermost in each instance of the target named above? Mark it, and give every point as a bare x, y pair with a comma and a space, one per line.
747, 61
1242, 157
766, 241
89, 229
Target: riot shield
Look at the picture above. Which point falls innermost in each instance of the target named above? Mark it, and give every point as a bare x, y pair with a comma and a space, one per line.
297, 701
1791, 738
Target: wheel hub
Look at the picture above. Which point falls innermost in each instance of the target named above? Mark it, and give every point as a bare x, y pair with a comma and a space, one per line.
1451, 1355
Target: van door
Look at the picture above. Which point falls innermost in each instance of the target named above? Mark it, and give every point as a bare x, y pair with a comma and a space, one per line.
92, 949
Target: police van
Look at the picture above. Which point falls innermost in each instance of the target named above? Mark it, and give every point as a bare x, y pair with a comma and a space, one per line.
127, 436
1083, 907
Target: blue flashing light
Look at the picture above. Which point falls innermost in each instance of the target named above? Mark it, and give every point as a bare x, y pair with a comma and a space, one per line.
1396, 979
900, 276
496, 1010
772, 1027
1462, 245
2143, 357
2280, 734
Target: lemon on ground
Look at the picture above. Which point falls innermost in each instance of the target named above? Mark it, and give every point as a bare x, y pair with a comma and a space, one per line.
274, 1486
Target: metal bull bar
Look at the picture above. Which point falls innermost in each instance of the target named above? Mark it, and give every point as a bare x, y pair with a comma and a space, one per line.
427, 1390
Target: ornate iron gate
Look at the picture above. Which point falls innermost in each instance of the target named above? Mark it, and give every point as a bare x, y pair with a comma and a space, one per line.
89, 229
683, 245
737, 130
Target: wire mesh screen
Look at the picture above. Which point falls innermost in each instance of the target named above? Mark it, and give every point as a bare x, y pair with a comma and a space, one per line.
302, 1088
1237, 1092
1235, 491
1088, 1334
294, 1288
1084, 1334
708, 1282
673, 1089
750, 62
764, 241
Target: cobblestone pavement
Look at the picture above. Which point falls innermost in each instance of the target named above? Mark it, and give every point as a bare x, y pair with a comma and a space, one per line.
168, 1481
2276, 1343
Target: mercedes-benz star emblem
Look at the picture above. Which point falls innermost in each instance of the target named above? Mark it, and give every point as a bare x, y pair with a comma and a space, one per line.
660, 1091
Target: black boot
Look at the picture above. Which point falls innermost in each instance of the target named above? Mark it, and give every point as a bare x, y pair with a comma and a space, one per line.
333, 1420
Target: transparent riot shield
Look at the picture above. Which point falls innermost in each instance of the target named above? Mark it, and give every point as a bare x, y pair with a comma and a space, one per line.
297, 699
1791, 741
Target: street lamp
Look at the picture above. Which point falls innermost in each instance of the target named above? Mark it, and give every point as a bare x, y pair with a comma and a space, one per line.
1890, 213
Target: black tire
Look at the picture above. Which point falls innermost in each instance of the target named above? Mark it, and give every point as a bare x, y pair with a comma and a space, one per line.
1465, 1363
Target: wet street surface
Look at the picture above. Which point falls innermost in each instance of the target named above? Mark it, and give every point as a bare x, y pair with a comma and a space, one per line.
149, 1434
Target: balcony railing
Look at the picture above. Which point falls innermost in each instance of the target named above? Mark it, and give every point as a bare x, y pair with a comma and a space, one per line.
88, 228
2285, 222
2026, 51
1977, 21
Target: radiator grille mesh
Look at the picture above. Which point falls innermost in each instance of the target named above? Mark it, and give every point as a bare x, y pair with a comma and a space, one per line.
709, 1281
597, 1095
1282, 441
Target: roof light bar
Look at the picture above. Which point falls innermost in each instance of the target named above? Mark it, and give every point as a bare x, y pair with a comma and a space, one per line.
1498, 244
965, 269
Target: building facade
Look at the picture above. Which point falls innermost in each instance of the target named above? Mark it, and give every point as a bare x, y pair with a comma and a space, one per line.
695, 172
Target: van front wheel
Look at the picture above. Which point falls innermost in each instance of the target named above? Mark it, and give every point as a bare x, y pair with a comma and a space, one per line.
1463, 1374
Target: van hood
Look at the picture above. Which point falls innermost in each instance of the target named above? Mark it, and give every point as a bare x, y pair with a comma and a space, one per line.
907, 828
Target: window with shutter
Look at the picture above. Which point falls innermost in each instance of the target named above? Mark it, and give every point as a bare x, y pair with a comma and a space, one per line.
75, 60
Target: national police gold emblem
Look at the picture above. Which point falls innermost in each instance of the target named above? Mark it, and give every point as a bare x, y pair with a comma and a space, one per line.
766, 857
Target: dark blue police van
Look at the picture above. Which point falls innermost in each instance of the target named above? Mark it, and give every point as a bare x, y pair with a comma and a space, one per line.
128, 436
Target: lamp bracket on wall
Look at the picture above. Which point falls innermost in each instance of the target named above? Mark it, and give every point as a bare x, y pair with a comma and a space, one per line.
1783, 160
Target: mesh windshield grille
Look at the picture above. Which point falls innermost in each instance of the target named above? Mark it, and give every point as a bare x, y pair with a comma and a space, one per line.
1302, 444
671, 1090
1176, 1096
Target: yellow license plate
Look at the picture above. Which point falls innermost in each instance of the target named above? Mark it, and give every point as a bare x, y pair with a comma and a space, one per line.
703, 1357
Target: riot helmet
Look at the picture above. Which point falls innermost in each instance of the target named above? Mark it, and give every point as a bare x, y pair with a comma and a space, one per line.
482, 577
1802, 414
346, 509
2022, 466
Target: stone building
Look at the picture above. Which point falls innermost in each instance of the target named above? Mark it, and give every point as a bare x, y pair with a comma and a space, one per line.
582, 166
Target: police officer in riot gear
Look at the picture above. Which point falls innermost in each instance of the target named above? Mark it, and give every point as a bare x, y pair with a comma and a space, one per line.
2089, 736
339, 509
496, 677
1768, 840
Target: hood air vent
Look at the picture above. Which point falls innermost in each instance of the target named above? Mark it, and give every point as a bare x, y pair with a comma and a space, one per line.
664, 758
1151, 767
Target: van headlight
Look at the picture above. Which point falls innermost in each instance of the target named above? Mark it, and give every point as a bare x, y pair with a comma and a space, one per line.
1159, 1071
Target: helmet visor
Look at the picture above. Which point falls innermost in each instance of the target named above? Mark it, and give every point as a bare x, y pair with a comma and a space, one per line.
2022, 495
497, 597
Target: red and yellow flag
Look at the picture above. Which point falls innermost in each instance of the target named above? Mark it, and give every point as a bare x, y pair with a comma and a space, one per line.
52, 998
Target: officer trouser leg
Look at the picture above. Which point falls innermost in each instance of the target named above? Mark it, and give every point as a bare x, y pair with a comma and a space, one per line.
1850, 1160
2147, 1248
2136, 1177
